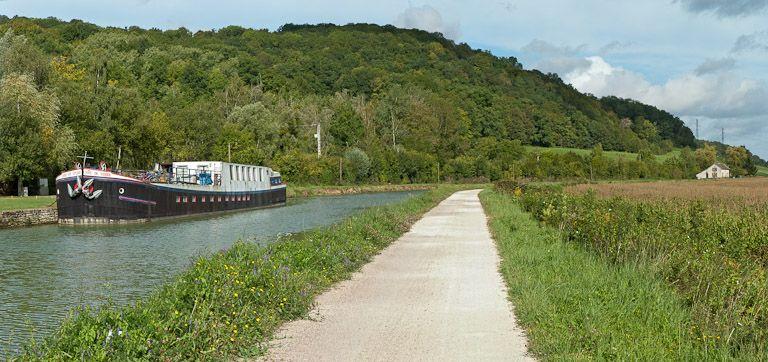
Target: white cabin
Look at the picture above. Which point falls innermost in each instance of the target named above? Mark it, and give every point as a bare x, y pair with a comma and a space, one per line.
717, 170
221, 176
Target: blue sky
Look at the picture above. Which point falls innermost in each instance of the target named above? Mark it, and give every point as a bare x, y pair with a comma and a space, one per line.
699, 59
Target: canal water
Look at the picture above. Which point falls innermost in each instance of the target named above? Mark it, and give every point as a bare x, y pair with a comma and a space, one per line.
47, 270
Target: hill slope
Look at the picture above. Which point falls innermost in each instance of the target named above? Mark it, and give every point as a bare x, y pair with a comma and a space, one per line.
407, 98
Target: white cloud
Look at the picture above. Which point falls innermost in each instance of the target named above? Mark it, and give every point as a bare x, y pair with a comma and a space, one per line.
429, 19
719, 98
719, 94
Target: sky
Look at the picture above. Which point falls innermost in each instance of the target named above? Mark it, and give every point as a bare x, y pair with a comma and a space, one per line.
698, 59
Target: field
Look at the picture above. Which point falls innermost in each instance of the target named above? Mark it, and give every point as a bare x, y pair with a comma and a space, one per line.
609, 154
20, 203
706, 240
732, 193
762, 171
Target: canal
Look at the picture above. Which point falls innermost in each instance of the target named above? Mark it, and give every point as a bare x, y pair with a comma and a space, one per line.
47, 270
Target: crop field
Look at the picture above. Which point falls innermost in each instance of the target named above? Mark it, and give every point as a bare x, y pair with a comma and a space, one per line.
705, 240
731, 193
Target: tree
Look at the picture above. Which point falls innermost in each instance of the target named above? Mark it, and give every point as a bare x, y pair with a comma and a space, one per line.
740, 161
598, 162
705, 156
358, 164
32, 140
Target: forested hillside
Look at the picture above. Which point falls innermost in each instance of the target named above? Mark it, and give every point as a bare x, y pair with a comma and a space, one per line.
393, 104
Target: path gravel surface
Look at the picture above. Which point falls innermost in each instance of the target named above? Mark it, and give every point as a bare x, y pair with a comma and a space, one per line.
434, 294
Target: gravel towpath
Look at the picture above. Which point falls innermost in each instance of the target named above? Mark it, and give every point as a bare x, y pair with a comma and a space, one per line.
434, 294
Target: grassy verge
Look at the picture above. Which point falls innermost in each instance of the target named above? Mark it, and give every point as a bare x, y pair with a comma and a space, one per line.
21, 203
576, 305
314, 190
228, 304
712, 256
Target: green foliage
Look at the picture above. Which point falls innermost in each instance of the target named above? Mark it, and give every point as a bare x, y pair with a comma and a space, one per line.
575, 305
228, 304
407, 98
713, 257
358, 164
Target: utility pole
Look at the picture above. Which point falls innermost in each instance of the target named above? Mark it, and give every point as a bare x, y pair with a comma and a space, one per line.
319, 143
119, 154
722, 135
697, 128
438, 171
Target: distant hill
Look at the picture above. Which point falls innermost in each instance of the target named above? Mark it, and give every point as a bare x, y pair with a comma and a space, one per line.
409, 99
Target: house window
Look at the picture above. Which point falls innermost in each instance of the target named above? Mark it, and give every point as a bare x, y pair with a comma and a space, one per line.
185, 199
226, 198
178, 199
202, 199
219, 198
260, 172
194, 198
231, 175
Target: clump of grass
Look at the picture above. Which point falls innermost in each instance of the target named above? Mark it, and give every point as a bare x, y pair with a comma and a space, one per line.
575, 305
229, 304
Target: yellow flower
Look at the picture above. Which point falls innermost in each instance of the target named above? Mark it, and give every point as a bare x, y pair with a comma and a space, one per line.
235, 295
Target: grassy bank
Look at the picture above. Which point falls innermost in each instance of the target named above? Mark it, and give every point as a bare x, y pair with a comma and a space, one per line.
315, 190
21, 203
713, 257
575, 305
229, 304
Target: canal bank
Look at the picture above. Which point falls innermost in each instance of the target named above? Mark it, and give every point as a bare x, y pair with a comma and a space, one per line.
47, 270
27, 216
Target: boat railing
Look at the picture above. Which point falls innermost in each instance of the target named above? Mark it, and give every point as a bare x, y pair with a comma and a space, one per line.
176, 175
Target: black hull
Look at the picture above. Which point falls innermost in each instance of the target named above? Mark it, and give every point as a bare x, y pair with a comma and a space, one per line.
125, 201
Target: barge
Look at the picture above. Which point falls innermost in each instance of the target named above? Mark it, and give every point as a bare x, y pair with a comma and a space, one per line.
98, 195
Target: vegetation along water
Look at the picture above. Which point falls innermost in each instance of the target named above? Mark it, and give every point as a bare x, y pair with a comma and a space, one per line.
47, 270
228, 303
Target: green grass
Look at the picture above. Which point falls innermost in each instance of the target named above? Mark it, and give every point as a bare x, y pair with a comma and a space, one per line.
576, 306
762, 171
31, 202
610, 154
227, 305
319, 190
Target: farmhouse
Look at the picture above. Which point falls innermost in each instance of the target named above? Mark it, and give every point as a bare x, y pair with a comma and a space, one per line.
717, 170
